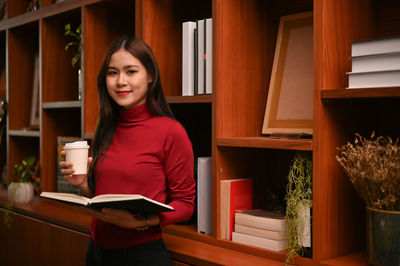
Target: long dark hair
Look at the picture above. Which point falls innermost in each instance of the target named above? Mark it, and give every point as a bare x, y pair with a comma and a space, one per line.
109, 109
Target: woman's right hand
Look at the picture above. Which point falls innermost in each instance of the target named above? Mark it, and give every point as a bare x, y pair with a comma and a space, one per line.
68, 171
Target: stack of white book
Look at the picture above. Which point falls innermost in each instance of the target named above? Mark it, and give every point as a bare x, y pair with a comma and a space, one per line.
261, 228
197, 57
375, 63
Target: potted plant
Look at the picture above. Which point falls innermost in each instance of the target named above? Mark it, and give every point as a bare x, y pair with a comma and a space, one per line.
298, 207
21, 190
373, 167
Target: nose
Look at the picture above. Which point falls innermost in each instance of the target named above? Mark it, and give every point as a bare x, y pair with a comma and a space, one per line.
121, 79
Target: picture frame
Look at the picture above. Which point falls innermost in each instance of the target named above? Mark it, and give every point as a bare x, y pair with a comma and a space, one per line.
34, 119
289, 108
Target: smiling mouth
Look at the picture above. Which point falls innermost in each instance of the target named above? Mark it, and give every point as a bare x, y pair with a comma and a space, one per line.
123, 93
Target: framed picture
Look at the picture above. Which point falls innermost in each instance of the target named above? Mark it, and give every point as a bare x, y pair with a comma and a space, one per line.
34, 120
289, 108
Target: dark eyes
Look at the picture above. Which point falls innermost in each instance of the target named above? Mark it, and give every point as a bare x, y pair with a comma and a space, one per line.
128, 72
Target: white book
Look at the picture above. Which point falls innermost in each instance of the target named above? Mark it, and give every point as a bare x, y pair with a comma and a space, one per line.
188, 58
209, 57
376, 46
131, 202
204, 195
254, 231
378, 62
261, 219
271, 244
200, 55
378, 79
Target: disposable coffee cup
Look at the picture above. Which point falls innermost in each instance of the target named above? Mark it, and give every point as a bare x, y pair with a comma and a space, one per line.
77, 152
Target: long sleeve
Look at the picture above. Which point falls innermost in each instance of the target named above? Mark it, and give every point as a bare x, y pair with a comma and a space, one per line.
178, 168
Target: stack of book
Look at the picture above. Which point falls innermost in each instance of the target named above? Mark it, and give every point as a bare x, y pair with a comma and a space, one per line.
375, 63
236, 194
261, 228
197, 57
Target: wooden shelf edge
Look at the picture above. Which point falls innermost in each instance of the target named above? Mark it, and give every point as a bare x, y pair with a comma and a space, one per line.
64, 104
354, 259
200, 253
24, 133
189, 99
190, 232
266, 143
50, 211
360, 93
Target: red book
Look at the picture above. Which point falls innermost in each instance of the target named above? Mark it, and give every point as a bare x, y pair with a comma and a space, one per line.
236, 194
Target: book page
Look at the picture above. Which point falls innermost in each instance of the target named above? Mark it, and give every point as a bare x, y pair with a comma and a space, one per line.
70, 197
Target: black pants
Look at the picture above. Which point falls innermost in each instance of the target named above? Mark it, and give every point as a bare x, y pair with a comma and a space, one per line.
151, 253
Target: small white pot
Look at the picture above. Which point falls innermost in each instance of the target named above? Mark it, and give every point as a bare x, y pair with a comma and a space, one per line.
20, 192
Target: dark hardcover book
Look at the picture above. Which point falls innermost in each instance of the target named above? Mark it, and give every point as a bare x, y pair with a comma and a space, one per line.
196, 58
131, 202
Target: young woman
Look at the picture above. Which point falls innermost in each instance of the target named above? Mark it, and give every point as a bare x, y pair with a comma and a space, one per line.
138, 148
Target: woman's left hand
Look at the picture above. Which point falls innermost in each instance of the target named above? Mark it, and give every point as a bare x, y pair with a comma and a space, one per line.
122, 218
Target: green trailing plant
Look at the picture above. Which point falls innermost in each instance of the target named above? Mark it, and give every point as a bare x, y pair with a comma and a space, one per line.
298, 190
75, 40
26, 170
373, 167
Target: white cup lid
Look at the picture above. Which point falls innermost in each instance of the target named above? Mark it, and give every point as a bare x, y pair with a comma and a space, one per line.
76, 145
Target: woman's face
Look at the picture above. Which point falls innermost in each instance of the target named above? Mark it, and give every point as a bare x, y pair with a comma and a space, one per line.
127, 80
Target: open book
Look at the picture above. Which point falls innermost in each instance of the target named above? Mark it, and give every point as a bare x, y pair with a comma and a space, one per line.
131, 202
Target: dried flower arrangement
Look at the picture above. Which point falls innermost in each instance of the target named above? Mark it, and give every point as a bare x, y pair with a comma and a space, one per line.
373, 166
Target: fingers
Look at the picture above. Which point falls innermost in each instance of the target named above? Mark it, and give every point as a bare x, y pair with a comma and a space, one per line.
66, 168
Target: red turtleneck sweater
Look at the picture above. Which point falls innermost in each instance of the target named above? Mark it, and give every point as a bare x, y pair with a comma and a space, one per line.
152, 156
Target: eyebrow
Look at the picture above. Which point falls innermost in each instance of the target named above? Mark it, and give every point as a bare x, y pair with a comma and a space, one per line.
124, 67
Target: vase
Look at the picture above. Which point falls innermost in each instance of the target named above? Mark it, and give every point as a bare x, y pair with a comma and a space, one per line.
383, 237
20, 192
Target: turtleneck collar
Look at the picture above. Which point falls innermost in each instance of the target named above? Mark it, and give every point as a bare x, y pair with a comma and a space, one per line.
135, 114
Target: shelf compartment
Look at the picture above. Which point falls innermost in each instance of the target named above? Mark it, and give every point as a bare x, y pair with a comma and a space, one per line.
161, 28
23, 47
21, 146
393, 92
60, 80
265, 143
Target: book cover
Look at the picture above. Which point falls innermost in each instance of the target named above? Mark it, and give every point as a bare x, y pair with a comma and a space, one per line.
200, 56
196, 60
254, 231
236, 194
377, 79
131, 202
376, 46
379, 62
204, 195
188, 58
208, 56
271, 244
261, 219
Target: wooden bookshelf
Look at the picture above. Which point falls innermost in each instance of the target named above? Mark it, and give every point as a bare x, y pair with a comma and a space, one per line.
225, 125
